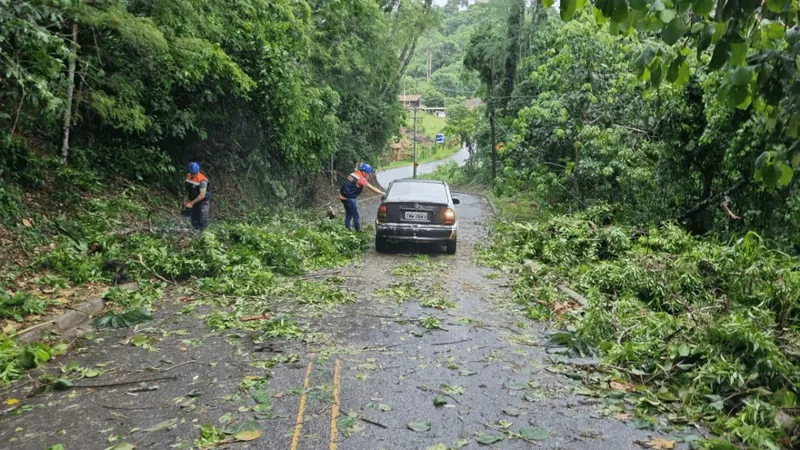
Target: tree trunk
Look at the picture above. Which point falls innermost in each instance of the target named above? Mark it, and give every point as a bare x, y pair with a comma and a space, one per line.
491, 124
73, 57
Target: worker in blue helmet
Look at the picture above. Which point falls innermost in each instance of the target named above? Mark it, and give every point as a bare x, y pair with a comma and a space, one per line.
351, 189
198, 193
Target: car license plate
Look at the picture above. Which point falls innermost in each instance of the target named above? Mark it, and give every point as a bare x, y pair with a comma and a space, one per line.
412, 215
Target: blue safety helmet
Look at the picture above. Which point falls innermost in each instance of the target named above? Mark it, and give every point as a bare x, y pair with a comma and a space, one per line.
366, 168
194, 168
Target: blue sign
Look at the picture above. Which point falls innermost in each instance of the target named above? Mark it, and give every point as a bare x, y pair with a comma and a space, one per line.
440, 139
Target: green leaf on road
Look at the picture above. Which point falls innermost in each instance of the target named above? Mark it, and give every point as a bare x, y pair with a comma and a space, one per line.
349, 425
165, 425
534, 433
515, 386
439, 400
121, 446
127, 318
452, 390
384, 407
248, 435
438, 446
419, 426
488, 439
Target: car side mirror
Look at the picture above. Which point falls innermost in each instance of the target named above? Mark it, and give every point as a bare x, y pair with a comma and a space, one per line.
456, 201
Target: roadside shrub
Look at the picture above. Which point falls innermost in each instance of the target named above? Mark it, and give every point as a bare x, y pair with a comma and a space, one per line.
712, 327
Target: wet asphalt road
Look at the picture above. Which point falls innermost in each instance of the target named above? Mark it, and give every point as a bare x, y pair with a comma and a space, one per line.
375, 363
385, 177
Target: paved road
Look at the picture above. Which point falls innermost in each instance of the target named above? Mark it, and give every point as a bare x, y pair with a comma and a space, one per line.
375, 369
387, 176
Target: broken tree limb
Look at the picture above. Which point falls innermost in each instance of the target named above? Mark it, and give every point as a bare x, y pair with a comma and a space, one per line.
372, 422
141, 261
260, 317
740, 183
122, 383
726, 206
180, 365
574, 295
453, 342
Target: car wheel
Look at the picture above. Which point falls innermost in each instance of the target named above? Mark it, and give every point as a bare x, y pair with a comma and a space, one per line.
381, 245
451, 246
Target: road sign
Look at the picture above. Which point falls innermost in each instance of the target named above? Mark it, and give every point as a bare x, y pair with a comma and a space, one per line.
440, 139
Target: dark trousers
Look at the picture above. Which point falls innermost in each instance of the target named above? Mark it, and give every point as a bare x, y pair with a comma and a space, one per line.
351, 214
201, 214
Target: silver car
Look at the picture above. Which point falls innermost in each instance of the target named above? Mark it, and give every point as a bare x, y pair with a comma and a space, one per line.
417, 211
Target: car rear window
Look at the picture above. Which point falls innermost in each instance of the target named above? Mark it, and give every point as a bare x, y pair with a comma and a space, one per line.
421, 192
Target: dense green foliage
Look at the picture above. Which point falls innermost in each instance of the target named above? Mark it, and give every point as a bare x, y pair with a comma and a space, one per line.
240, 257
256, 258
267, 93
712, 329
585, 127
448, 83
646, 163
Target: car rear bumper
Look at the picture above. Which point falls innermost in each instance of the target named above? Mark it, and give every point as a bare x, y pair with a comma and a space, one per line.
415, 232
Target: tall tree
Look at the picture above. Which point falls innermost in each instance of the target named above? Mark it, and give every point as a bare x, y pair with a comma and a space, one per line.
515, 22
484, 55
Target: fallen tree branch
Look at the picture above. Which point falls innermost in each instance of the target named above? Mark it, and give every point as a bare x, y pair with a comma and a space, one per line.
180, 365
141, 261
122, 383
726, 206
574, 295
132, 408
449, 343
252, 318
372, 422
740, 183
34, 327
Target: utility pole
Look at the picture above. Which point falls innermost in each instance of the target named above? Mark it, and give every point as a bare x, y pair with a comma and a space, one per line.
415, 142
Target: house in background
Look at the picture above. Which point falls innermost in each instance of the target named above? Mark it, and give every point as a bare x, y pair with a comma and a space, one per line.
409, 101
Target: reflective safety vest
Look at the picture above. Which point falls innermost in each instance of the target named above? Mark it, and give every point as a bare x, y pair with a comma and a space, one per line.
353, 185
193, 185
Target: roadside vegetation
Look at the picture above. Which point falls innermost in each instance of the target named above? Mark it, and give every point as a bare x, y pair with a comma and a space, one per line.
257, 257
647, 202
102, 104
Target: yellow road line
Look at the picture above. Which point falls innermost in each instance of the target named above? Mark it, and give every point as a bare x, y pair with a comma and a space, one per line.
335, 410
299, 424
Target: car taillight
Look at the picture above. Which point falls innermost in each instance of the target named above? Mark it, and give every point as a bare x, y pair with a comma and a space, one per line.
449, 217
382, 213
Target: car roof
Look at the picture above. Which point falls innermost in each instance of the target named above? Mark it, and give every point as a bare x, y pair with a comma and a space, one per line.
411, 180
